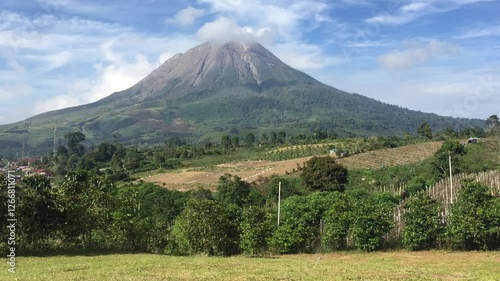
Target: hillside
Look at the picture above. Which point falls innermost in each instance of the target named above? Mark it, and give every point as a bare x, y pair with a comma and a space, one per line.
210, 90
251, 170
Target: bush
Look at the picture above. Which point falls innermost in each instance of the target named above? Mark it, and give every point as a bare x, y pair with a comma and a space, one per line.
422, 225
257, 227
206, 227
474, 218
324, 174
371, 220
338, 220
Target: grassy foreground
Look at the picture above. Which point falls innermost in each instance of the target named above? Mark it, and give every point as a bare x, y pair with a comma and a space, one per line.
342, 266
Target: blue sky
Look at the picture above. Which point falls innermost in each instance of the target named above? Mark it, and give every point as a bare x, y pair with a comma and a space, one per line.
430, 55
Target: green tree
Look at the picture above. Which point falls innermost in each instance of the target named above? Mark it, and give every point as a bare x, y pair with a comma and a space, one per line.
74, 143
264, 138
207, 227
493, 122
86, 201
281, 138
324, 174
300, 222
235, 141
257, 227
338, 220
441, 161
422, 222
250, 139
372, 219
226, 141
473, 224
232, 190
132, 159
39, 210
424, 130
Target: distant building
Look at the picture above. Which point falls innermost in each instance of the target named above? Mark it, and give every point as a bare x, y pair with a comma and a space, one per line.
473, 140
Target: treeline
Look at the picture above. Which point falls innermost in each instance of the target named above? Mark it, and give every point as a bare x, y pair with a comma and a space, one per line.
85, 212
118, 162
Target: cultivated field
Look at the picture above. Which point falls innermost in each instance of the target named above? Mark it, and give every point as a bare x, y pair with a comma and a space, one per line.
342, 266
251, 170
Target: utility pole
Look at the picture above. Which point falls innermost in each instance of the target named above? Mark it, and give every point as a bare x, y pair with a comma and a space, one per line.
55, 139
22, 153
451, 178
279, 202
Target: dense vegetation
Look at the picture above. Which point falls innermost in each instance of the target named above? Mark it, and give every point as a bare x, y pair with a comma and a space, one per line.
93, 205
294, 109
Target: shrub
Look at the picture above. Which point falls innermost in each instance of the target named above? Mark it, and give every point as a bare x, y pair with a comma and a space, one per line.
324, 174
206, 227
422, 225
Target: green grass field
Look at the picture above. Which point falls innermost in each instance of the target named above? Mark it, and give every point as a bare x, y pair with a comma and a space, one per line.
340, 266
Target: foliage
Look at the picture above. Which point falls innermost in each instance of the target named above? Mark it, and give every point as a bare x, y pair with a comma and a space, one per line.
338, 220
424, 130
73, 142
301, 219
86, 202
422, 222
441, 162
207, 227
39, 210
324, 174
371, 220
257, 227
232, 190
474, 218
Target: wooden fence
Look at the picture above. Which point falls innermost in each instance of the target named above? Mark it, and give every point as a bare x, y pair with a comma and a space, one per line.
444, 193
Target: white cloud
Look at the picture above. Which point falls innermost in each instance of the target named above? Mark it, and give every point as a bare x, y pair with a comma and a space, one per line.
225, 29
416, 55
187, 16
286, 19
119, 74
10, 90
490, 31
398, 12
304, 56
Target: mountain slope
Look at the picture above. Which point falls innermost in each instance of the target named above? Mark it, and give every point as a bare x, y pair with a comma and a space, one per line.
235, 88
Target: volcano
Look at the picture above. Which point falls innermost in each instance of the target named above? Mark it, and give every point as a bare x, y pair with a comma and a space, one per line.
214, 89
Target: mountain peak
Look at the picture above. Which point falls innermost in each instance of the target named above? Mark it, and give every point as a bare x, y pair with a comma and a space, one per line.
213, 66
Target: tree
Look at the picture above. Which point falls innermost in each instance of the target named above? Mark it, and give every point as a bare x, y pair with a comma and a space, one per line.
232, 190
40, 214
235, 141
324, 174
250, 139
422, 223
372, 219
257, 227
226, 141
207, 227
86, 202
281, 137
441, 160
132, 159
300, 222
274, 138
473, 224
73, 142
493, 122
424, 130
338, 221
264, 138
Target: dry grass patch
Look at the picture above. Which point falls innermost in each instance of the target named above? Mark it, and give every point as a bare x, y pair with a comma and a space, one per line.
251, 170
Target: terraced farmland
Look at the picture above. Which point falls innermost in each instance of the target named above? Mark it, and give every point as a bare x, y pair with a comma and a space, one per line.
250, 170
